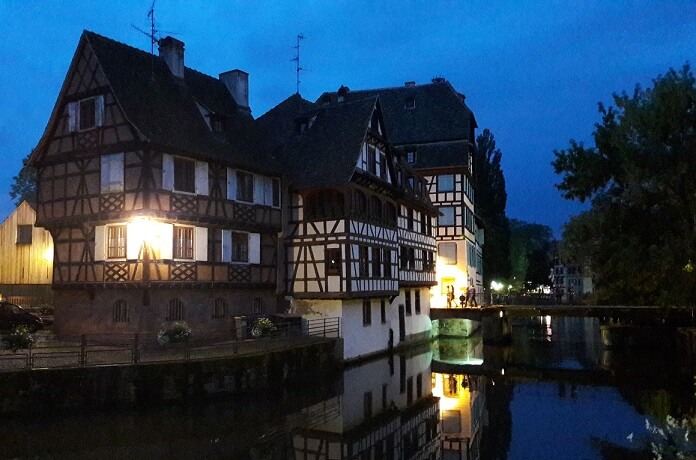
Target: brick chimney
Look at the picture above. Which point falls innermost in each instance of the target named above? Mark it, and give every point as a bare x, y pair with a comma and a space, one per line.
172, 51
237, 82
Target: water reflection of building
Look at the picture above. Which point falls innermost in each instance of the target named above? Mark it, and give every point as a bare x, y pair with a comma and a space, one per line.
462, 413
387, 411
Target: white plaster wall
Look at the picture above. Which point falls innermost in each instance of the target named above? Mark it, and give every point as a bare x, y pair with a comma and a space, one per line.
416, 323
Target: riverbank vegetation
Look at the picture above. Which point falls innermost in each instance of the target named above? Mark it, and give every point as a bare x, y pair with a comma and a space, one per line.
639, 236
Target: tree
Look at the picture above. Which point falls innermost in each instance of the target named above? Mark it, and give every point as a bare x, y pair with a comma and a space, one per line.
639, 235
491, 199
531, 246
24, 185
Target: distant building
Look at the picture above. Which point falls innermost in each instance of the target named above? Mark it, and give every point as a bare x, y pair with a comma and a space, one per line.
570, 283
26, 265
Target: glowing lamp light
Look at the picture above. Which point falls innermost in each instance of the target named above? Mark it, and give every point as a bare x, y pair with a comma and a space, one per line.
145, 231
496, 286
48, 254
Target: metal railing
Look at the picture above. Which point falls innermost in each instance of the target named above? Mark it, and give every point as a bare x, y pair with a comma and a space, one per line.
113, 349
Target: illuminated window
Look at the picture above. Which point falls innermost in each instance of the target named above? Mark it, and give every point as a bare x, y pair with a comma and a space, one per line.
116, 242
183, 242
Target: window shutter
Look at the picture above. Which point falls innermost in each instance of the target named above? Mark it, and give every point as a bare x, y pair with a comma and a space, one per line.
231, 184
72, 116
99, 242
258, 189
201, 243
201, 178
227, 246
254, 248
133, 242
167, 172
99, 110
166, 243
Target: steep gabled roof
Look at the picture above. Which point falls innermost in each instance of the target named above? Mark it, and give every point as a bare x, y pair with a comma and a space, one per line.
439, 114
326, 154
163, 108
278, 124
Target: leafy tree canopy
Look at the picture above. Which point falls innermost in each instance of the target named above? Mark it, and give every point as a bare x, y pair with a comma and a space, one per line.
531, 246
491, 199
640, 234
24, 185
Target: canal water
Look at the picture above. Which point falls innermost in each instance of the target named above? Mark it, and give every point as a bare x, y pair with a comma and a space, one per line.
555, 392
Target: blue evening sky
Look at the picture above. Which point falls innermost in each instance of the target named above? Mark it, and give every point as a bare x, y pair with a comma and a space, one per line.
533, 71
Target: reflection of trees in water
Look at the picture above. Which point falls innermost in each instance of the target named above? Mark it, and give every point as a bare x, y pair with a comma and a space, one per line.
496, 435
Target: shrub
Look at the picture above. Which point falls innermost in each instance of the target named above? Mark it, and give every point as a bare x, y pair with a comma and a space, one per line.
263, 326
19, 338
176, 333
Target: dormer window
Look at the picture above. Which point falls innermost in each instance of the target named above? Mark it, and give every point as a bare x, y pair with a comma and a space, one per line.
411, 157
216, 124
410, 103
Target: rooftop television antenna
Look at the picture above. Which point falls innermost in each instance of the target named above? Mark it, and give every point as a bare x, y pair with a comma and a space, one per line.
296, 60
153, 34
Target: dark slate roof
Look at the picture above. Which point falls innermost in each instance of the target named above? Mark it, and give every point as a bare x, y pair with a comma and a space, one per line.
278, 124
439, 154
440, 113
326, 154
163, 107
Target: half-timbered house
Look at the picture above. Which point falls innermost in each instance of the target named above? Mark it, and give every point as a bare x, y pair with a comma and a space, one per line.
359, 235
162, 204
433, 129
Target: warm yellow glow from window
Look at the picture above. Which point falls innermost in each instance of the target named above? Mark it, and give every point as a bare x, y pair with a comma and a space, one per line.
145, 231
48, 254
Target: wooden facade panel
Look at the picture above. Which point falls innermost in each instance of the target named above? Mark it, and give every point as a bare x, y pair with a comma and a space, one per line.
25, 263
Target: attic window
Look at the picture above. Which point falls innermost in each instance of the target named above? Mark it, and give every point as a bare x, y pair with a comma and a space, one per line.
411, 157
86, 113
24, 234
410, 103
216, 124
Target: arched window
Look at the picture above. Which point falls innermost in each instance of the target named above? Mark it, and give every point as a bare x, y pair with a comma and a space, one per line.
326, 204
220, 308
375, 211
359, 204
389, 214
121, 312
175, 312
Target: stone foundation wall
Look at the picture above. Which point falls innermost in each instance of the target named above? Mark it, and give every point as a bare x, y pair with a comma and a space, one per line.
57, 390
79, 312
